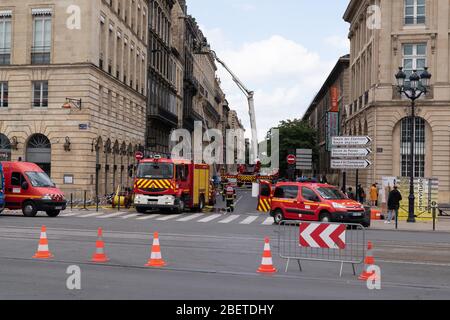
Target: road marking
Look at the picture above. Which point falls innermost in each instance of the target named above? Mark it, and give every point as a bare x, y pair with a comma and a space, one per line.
191, 217
249, 220
112, 215
268, 221
169, 217
229, 219
210, 218
147, 217
240, 198
72, 214
95, 214
131, 216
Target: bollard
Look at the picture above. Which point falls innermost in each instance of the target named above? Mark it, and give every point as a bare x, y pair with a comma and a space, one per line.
118, 202
96, 201
71, 201
84, 200
434, 218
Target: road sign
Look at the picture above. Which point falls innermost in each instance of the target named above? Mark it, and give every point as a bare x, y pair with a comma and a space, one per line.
139, 156
351, 141
291, 159
350, 164
350, 153
304, 159
322, 235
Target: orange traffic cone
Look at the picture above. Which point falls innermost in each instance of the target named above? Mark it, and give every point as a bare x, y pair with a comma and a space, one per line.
266, 264
156, 258
43, 252
99, 255
368, 261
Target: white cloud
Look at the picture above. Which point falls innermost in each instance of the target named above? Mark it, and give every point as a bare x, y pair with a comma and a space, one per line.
339, 43
284, 75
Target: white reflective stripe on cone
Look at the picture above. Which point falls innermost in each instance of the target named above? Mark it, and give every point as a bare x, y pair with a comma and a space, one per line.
43, 247
156, 242
156, 255
266, 261
43, 235
266, 247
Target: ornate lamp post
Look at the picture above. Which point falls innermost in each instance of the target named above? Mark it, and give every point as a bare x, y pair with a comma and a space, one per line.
418, 85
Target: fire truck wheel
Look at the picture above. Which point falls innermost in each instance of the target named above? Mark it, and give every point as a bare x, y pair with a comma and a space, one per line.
325, 217
201, 204
181, 207
141, 210
29, 209
278, 216
53, 213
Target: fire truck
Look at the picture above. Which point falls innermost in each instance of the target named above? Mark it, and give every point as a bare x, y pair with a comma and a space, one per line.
248, 174
176, 185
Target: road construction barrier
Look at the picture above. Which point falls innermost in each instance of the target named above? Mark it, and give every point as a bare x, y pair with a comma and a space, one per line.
315, 241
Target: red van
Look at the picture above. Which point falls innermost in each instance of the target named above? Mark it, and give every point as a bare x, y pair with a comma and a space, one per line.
310, 201
29, 188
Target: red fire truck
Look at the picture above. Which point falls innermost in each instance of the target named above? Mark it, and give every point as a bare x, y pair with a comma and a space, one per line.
176, 185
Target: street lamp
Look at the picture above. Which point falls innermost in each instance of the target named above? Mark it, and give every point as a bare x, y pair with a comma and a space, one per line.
418, 85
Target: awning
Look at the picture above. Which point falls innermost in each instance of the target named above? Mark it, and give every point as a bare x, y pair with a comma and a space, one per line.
5, 13
41, 12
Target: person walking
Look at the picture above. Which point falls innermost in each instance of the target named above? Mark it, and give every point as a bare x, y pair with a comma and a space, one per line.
361, 194
374, 195
230, 196
350, 194
393, 204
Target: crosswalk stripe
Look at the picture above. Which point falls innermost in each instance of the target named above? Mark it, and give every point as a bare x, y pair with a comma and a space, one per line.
229, 219
268, 221
149, 216
170, 217
130, 216
249, 220
210, 218
191, 217
95, 214
72, 214
112, 215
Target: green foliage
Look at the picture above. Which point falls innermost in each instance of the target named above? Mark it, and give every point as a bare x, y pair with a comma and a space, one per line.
295, 134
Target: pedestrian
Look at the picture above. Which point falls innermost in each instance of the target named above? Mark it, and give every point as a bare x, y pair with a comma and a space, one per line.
361, 194
393, 204
374, 195
230, 196
324, 179
350, 194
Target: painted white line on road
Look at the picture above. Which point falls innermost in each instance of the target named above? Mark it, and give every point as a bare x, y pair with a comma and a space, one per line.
249, 220
210, 218
112, 215
229, 219
169, 217
191, 217
72, 214
240, 198
268, 221
149, 216
130, 216
95, 214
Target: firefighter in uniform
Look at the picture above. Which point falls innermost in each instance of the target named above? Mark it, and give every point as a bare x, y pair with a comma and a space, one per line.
230, 196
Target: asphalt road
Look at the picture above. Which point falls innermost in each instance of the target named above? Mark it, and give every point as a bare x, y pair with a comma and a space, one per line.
213, 259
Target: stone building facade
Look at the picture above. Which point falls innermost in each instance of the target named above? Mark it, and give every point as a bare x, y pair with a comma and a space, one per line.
412, 34
94, 51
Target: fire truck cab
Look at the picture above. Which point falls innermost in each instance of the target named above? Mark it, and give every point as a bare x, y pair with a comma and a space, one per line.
171, 184
310, 201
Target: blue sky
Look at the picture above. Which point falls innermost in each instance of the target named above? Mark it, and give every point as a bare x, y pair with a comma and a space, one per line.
283, 50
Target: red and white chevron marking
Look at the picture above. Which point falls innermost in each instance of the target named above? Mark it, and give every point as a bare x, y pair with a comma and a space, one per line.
322, 235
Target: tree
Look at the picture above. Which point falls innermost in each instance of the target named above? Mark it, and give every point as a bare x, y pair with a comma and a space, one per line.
294, 134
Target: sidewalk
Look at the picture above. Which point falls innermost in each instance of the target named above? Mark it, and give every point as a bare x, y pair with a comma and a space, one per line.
442, 225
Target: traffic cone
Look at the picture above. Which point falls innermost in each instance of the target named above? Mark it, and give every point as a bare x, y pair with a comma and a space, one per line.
99, 255
368, 261
43, 252
156, 258
266, 264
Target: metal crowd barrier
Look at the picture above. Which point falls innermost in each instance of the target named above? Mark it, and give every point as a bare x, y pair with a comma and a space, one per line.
290, 249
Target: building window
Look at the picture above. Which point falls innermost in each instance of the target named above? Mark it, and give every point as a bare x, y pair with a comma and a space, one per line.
3, 94
40, 94
5, 37
419, 147
414, 12
42, 36
414, 58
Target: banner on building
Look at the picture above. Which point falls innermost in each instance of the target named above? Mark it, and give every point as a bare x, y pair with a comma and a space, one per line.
332, 128
334, 93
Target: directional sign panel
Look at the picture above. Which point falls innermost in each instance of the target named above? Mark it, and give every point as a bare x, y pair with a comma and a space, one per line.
322, 235
350, 164
351, 141
350, 153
